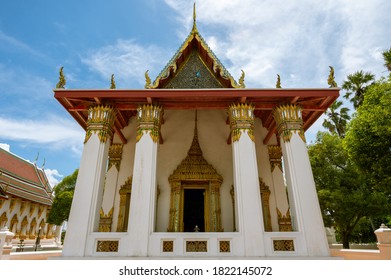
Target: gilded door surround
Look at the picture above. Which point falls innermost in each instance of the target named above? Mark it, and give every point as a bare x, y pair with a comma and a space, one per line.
195, 172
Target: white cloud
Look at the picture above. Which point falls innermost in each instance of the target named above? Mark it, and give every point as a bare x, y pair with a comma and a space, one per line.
126, 60
54, 177
16, 44
5, 146
57, 133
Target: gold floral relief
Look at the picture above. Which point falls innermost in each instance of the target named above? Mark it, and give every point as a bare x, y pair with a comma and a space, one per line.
275, 156
265, 195
115, 155
100, 120
241, 118
149, 119
289, 120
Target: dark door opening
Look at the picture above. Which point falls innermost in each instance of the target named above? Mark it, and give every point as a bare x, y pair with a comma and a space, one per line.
193, 210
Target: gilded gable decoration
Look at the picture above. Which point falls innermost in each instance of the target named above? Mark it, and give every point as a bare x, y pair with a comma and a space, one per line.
206, 70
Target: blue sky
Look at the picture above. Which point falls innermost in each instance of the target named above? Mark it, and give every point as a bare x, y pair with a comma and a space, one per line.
94, 38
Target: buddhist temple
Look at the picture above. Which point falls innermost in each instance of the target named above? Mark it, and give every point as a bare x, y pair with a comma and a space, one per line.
25, 200
195, 165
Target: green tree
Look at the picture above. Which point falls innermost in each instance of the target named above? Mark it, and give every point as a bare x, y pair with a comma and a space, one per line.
62, 202
344, 197
387, 59
368, 140
355, 85
337, 118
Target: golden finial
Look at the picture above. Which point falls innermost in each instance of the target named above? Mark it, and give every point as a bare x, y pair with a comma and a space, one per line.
278, 84
331, 78
241, 80
147, 80
62, 81
112, 86
194, 19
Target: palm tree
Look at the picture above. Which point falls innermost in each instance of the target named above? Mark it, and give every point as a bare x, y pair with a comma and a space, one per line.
356, 84
387, 59
337, 119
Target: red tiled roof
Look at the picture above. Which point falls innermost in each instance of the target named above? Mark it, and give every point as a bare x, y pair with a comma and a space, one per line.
24, 179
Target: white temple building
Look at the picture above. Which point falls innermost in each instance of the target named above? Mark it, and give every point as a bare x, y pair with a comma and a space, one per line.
192, 166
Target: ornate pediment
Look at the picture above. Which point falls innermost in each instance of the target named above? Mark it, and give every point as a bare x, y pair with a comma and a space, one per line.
194, 65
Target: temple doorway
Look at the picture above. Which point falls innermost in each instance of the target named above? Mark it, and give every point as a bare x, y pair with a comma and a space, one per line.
194, 213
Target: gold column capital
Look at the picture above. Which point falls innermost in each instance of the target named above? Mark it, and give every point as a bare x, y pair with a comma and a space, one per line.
149, 119
100, 120
289, 120
241, 118
115, 155
275, 156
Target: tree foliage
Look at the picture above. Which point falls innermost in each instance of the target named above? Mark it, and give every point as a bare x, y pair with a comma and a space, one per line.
62, 202
337, 118
387, 59
368, 140
356, 85
344, 196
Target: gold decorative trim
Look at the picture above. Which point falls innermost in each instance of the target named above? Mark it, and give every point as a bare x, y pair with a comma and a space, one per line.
40, 210
32, 209
23, 205
12, 204
232, 193
14, 223
241, 118
283, 245
284, 221
107, 246
331, 79
115, 155
168, 246
225, 246
105, 220
278, 83
265, 195
112, 82
148, 121
289, 120
125, 194
100, 120
61, 80
3, 219
196, 246
275, 157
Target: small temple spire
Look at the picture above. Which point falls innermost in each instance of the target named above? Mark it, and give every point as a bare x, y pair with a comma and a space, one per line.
195, 149
194, 19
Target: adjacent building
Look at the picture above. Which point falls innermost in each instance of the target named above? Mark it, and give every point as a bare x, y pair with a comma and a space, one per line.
25, 199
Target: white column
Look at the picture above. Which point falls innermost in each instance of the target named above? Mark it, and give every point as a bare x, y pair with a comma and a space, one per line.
142, 202
84, 216
281, 199
303, 198
107, 209
248, 200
